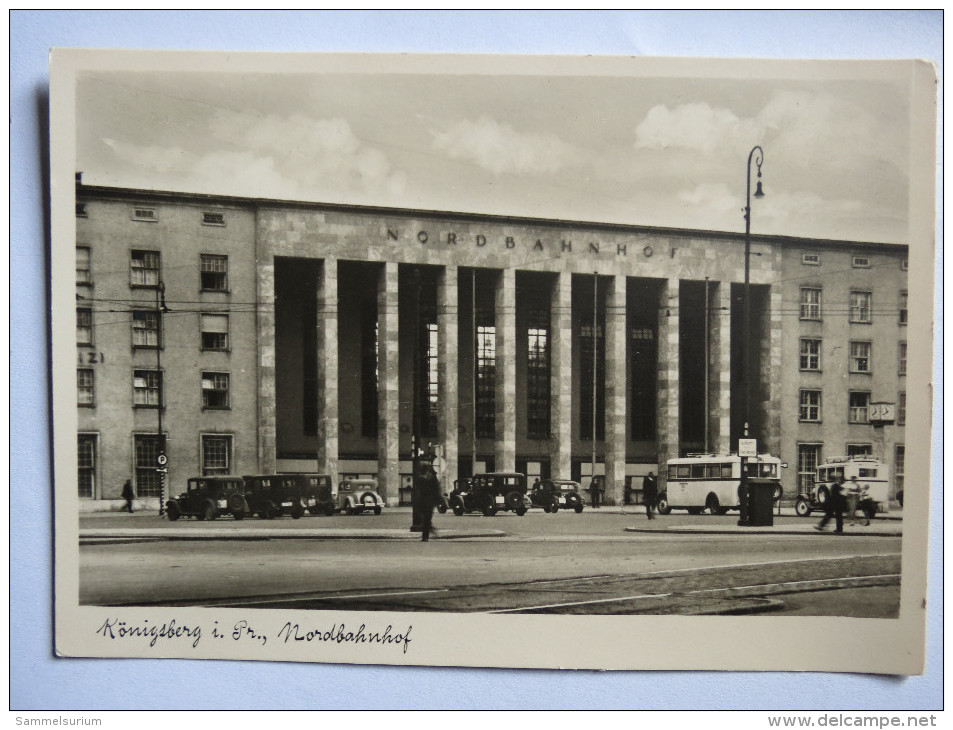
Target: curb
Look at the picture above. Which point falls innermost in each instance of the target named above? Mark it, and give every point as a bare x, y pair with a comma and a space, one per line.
737, 530
104, 535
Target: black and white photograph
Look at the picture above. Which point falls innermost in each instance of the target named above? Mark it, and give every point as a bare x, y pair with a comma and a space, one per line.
504, 361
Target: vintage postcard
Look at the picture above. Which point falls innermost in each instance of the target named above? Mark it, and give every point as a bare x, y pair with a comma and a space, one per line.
492, 361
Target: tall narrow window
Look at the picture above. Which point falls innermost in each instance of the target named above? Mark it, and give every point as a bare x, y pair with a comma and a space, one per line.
215, 391
216, 454
903, 307
899, 466
860, 357
810, 354
147, 388
858, 407
808, 457
84, 326
147, 479
369, 372
486, 381
145, 328
538, 405
902, 357
902, 408
214, 272
83, 273
214, 331
860, 307
309, 368
644, 376
810, 303
86, 463
592, 380
432, 409
144, 268
85, 387
810, 409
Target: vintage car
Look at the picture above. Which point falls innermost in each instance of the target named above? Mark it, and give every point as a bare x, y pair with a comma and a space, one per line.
862, 471
206, 498
555, 494
317, 493
355, 496
273, 495
491, 493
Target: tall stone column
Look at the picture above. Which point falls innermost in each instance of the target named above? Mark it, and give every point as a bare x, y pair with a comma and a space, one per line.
267, 391
771, 357
615, 388
560, 381
388, 382
328, 368
668, 380
720, 376
448, 379
505, 446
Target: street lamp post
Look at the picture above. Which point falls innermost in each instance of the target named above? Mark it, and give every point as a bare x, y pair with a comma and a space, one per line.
417, 416
161, 458
756, 154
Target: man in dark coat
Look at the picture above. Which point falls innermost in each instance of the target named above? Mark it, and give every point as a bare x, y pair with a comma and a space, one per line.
426, 496
595, 491
834, 507
128, 494
649, 493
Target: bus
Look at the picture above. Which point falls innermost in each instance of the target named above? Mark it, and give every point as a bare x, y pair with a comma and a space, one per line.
708, 481
865, 470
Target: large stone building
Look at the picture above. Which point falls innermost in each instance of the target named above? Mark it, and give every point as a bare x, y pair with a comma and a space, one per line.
284, 336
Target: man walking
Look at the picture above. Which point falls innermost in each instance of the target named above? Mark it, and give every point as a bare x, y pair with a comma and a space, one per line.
649, 493
426, 496
834, 508
128, 494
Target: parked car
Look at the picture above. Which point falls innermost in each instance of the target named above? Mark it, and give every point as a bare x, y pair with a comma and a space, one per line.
355, 496
206, 498
317, 493
865, 470
555, 494
272, 495
490, 493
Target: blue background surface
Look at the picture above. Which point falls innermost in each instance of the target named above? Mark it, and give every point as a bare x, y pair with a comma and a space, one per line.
38, 681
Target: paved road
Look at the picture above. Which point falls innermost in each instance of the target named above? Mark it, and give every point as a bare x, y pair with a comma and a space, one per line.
564, 563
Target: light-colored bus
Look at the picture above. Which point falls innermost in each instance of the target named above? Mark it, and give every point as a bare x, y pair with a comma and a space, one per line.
866, 471
710, 481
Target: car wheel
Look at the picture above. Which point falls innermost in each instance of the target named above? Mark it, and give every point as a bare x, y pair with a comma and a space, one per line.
489, 509
513, 501
457, 506
662, 504
236, 503
329, 510
173, 511
802, 508
553, 506
349, 510
238, 514
578, 508
297, 512
209, 510
314, 510
712, 504
378, 510
521, 510
442, 508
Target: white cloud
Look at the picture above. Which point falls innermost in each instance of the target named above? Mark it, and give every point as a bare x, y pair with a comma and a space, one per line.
499, 148
696, 126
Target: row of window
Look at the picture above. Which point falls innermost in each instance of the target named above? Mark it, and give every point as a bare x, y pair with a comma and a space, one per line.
147, 389
145, 269
858, 406
859, 361
809, 458
215, 458
860, 305
213, 329
856, 262
151, 215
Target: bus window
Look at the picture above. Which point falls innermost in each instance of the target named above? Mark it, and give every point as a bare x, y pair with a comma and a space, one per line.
671, 471
867, 473
726, 471
698, 471
684, 471
768, 470
712, 471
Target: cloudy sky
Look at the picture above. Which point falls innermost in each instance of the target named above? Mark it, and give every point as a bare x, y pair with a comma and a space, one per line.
659, 150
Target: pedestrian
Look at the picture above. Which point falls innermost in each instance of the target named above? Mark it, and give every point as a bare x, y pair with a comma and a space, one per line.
649, 493
851, 498
426, 496
834, 507
594, 491
866, 504
128, 494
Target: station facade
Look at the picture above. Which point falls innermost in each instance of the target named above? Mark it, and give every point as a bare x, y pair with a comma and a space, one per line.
283, 336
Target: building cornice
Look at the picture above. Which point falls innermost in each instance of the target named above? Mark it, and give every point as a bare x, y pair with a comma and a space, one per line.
145, 195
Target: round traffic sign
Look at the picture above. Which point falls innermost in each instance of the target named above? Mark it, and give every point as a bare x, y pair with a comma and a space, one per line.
162, 460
